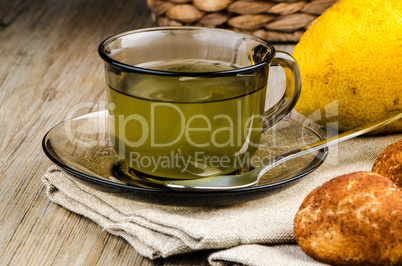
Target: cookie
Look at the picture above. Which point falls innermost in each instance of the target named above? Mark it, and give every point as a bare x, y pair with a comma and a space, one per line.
389, 163
352, 219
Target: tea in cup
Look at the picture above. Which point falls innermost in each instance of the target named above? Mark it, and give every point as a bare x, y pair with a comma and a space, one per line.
189, 102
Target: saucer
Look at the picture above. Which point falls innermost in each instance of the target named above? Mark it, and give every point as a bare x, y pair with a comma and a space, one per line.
81, 148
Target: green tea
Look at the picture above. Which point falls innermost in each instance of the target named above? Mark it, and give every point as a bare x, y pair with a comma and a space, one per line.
186, 127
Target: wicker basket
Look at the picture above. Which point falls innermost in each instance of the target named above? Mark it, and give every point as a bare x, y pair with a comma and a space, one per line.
275, 21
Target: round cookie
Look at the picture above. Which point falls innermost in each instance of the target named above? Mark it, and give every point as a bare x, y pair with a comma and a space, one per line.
352, 219
389, 163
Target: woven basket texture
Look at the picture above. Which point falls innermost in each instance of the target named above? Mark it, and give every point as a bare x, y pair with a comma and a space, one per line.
274, 21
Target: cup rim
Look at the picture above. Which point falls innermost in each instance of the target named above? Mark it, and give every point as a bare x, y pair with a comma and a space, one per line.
131, 68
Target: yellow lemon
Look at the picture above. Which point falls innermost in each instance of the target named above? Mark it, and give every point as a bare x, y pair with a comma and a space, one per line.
351, 64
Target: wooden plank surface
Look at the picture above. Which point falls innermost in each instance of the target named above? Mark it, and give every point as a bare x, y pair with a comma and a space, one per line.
49, 63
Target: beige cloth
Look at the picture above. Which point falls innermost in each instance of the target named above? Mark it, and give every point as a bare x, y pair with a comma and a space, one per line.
253, 228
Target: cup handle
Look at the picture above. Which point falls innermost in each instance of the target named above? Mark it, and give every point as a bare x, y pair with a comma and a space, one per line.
292, 91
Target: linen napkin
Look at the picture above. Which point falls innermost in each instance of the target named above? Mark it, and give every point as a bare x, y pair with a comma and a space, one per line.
247, 228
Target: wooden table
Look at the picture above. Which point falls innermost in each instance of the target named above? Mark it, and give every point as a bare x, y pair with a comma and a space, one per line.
49, 64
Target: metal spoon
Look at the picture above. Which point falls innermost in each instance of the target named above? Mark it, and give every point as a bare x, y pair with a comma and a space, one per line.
226, 182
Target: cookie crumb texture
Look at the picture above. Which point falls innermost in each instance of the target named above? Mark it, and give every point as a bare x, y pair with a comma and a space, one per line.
352, 219
389, 163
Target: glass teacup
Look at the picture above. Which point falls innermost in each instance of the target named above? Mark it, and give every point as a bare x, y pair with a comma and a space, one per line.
188, 102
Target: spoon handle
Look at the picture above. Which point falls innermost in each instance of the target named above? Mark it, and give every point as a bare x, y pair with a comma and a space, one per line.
390, 117
252, 177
